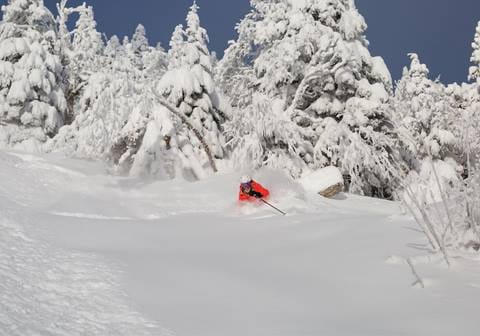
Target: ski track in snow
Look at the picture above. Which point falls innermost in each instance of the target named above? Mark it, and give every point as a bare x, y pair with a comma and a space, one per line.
89, 216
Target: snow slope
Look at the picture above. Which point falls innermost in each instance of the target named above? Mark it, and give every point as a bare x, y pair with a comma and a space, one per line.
86, 253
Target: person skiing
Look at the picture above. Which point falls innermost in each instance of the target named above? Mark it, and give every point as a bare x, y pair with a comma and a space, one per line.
251, 190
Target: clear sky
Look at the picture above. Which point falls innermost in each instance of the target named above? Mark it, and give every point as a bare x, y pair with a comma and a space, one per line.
440, 31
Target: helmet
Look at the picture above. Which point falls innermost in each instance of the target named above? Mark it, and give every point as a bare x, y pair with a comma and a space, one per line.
245, 179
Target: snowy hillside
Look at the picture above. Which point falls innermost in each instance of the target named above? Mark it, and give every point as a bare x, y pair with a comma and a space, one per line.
87, 253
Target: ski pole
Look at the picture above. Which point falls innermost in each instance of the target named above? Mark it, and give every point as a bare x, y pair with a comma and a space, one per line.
283, 213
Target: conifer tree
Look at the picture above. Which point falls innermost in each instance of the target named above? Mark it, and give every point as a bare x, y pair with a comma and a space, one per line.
86, 54
176, 51
32, 100
474, 73
311, 59
423, 109
113, 47
189, 84
175, 129
139, 46
148, 60
87, 44
102, 90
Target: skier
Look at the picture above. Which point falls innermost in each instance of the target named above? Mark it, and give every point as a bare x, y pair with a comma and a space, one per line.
251, 190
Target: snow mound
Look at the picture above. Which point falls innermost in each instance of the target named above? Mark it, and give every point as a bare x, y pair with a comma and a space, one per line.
322, 179
425, 182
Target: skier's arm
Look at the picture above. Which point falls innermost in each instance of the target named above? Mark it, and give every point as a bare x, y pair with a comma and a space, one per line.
256, 194
259, 189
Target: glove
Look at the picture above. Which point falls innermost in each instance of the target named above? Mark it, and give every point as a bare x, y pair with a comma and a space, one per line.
256, 194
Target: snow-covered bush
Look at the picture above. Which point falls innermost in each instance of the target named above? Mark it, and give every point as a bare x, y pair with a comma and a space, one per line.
310, 58
445, 206
32, 100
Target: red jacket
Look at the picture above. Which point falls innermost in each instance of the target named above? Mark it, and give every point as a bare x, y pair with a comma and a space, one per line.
256, 187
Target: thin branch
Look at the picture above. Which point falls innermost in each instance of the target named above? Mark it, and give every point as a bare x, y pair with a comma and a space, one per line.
431, 228
419, 280
422, 225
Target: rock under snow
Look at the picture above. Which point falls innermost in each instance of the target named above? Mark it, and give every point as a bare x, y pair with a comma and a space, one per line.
327, 181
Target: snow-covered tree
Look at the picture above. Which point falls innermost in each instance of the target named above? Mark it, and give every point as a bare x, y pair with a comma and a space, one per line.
82, 51
464, 102
175, 129
103, 108
189, 85
86, 55
139, 46
113, 47
444, 123
155, 62
116, 57
149, 63
423, 110
474, 73
468, 98
311, 59
263, 135
102, 90
139, 41
87, 44
176, 51
152, 61
62, 21
32, 101
117, 90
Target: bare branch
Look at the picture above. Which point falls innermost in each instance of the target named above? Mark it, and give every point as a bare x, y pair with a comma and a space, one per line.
419, 280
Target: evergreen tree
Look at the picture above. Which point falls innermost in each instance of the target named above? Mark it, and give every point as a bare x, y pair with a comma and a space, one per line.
86, 56
474, 73
87, 45
102, 83
140, 42
423, 109
139, 46
175, 129
176, 52
311, 59
32, 101
107, 97
151, 61
155, 62
189, 83
113, 47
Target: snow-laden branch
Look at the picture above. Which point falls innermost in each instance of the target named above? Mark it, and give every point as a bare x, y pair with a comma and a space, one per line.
184, 119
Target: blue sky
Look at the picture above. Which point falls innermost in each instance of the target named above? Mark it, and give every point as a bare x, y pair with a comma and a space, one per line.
440, 31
